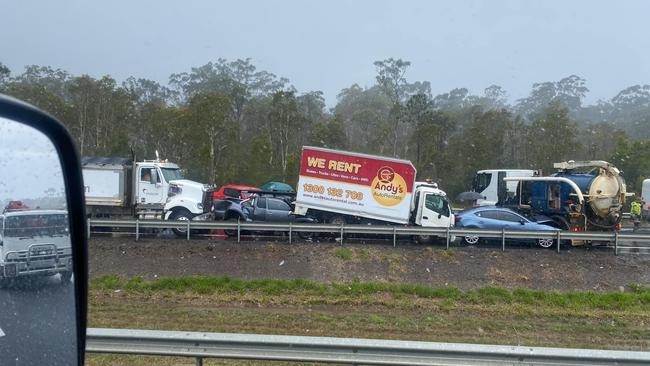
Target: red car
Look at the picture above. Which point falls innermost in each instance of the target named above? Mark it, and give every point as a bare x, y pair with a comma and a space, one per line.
233, 191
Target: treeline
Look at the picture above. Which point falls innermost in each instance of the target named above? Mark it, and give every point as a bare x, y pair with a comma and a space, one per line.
228, 122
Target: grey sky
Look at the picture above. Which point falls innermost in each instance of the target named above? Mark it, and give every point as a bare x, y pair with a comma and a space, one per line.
29, 163
329, 45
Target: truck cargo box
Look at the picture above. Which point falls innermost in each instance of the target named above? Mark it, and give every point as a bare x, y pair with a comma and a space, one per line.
355, 184
106, 181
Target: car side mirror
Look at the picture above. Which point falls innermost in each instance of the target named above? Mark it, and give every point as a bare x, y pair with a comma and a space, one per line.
153, 178
43, 320
439, 216
522, 221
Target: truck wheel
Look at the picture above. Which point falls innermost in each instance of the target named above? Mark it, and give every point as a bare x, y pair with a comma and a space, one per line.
424, 239
66, 277
5, 283
337, 220
181, 215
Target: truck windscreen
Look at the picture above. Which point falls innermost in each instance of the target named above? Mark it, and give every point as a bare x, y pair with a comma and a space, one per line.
171, 174
481, 181
35, 225
437, 204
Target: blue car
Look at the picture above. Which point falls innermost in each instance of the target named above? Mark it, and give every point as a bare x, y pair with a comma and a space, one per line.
497, 218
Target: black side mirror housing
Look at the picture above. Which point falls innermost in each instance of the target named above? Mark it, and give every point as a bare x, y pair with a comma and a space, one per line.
25, 332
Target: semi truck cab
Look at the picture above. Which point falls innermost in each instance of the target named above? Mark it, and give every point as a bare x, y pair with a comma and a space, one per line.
491, 185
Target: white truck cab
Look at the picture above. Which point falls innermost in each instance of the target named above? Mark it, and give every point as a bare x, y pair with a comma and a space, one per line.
160, 183
430, 206
490, 184
35, 242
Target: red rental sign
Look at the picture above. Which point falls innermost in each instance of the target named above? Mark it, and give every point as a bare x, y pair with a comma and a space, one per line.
353, 168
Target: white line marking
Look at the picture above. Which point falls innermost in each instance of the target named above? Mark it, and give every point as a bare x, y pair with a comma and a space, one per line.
2, 334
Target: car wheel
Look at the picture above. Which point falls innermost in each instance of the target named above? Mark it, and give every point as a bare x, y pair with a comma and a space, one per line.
181, 215
545, 243
232, 220
471, 239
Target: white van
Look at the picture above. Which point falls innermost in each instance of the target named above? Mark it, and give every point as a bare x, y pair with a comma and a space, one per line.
489, 183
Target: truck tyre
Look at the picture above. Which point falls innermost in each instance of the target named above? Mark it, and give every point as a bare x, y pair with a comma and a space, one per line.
424, 239
5, 283
181, 215
337, 220
66, 277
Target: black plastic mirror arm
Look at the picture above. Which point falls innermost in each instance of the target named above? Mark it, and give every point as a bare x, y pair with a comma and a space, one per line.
29, 115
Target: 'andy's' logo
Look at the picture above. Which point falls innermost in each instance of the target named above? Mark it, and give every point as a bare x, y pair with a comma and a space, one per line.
388, 187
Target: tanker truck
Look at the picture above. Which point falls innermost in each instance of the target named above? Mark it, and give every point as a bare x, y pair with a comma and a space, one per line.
580, 196
340, 187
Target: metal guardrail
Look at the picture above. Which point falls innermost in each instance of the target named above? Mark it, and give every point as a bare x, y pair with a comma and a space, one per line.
342, 350
641, 241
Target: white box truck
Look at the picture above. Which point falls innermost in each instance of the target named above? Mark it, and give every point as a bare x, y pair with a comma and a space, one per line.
345, 187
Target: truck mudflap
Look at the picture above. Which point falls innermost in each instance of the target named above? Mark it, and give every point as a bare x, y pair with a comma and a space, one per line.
38, 259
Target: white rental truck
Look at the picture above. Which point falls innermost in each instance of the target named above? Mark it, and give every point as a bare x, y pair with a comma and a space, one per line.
150, 189
489, 183
35, 243
344, 187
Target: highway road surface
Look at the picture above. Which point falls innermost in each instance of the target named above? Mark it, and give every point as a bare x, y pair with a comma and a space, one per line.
37, 322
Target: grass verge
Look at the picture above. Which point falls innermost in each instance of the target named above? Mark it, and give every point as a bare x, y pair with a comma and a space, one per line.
637, 296
367, 310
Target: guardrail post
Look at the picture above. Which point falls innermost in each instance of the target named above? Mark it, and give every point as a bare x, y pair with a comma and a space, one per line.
238, 230
289, 232
615, 242
341, 234
199, 361
448, 238
88, 228
394, 236
137, 229
188, 229
503, 240
559, 239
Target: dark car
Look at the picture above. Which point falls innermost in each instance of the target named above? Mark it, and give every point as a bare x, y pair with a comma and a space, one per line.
261, 207
497, 218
